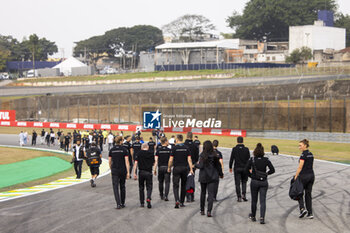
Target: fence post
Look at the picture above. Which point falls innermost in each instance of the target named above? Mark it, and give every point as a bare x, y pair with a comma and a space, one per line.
194, 108
48, 108
161, 104
251, 112
330, 113
183, 107
205, 107
109, 110
344, 116
302, 112
240, 113
57, 111
68, 111
98, 110
217, 110
288, 113
172, 105
140, 109
276, 112
263, 113
119, 112
129, 101
89, 110
78, 103
315, 113
228, 113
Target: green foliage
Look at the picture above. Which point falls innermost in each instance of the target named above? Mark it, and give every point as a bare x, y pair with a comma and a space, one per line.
299, 55
23, 50
189, 27
272, 18
343, 21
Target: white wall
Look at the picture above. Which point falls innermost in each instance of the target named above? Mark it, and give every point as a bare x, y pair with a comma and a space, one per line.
316, 37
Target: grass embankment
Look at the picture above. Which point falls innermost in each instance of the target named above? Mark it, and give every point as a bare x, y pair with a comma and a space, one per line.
12, 155
254, 72
337, 152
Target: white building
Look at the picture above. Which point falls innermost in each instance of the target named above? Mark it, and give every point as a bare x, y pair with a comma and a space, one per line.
317, 37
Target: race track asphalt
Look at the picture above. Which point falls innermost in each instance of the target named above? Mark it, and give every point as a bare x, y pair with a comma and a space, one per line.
81, 208
165, 85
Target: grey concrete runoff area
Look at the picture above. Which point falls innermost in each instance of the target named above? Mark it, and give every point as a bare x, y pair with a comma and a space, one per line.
81, 208
165, 85
313, 136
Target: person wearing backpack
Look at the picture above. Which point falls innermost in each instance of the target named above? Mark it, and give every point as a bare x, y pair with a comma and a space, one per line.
307, 177
256, 169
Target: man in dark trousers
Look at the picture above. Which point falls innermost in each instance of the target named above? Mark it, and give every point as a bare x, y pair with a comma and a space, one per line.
135, 148
215, 145
93, 159
34, 136
144, 160
127, 146
161, 161
181, 159
78, 156
194, 156
67, 139
240, 155
119, 165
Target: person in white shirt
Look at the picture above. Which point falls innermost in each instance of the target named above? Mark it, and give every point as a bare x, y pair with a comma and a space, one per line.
110, 140
21, 138
52, 137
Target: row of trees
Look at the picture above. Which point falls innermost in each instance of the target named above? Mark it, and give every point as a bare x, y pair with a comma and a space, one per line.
271, 19
33, 48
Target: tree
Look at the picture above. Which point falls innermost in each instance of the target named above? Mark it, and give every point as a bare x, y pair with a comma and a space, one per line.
272, 18
4, 57
119, 42
189, 27
299, 55
343, 21
40, 49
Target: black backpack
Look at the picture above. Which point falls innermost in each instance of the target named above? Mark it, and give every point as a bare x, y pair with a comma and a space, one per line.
274, 149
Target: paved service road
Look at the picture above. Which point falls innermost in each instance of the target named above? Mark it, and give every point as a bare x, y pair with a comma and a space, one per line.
163, 85
81, 208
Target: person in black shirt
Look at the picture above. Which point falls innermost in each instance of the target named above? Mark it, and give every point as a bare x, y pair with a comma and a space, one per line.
100, 141
307, 177
215, 145
151, 145
194, 156
210, 171
119, 165
42, 136
94, 159
240, 155
181, 159
144, 160
162, 159
135, 148
66, 142
86, 141
197, 142
127, 146
34, 135
256, 169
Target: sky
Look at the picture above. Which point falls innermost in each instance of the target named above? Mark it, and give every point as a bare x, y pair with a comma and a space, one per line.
68, 21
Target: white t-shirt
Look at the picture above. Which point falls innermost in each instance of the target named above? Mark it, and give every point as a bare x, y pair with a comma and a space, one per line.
52, 135
172, 141
110, 138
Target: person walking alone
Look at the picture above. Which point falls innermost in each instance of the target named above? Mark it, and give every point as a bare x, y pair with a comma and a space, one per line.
306, 174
